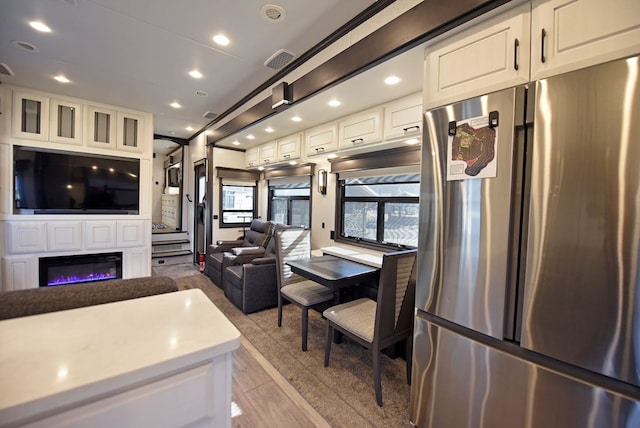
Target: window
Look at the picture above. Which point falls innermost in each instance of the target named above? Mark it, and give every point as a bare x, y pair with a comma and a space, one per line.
289, 203
380, 210
238, 202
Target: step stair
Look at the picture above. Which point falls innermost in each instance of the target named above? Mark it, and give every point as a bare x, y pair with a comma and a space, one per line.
170, 249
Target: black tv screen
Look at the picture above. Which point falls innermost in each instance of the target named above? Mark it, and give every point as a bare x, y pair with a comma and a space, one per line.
56, 182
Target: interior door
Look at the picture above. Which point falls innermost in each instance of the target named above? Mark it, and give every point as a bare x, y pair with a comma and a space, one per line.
200, 213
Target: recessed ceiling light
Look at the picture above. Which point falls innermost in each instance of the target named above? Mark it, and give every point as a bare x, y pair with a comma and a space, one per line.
412, 141
296, 118
334, 103
261, 168
221, 39
25, 46
250, 137
293, 162
188, 128
175, 104
236, 143
40, 26
332, 155
195, 74
392, 80
269, 129
208, 132
62, 79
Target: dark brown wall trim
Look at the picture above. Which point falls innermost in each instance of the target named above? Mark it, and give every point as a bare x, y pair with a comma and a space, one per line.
290, 172
239, 174
418, 25
181, 141
401, 156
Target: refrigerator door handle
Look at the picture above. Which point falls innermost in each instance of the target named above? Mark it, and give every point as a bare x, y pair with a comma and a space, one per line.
516, 50
543, 36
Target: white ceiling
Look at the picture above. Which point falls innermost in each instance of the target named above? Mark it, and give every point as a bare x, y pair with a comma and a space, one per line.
138, 53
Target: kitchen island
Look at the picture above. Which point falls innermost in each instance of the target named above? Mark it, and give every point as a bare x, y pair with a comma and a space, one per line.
161, 361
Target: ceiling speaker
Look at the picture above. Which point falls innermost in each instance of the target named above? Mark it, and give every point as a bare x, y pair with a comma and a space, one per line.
210, 115
279, 59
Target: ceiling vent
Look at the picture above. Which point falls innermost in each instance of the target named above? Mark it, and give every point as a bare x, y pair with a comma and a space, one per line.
25, 46
272, 13
279, 59
4, 69
210, 115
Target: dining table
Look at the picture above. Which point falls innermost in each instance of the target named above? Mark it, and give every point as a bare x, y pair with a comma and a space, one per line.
334, 272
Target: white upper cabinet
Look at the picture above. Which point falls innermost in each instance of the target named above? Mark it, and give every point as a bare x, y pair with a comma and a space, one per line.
487, 57
30, 116
361, 129
403, 118
252, 157
66, 122
268, 153
570, 34
130, 132
321, 139
289, 148
101, 127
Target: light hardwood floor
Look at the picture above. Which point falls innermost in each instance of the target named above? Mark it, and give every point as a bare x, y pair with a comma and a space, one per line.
262, 397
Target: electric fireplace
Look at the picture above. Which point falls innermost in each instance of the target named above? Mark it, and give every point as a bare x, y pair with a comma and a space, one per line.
80, 268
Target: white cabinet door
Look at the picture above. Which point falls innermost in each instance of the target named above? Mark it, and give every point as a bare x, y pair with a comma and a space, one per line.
268, 153
132, 233
488, 57
66, 122
289, 148
252, 157
130, 132
19, 273
403, 118
27, 237
321, 139
99, 235
30, 116
361, 129
572, 34
64, 235
101, 127
136, 263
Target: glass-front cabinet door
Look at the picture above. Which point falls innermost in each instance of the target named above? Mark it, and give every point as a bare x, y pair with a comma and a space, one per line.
130, 131
66, 122
30, 116
101, 127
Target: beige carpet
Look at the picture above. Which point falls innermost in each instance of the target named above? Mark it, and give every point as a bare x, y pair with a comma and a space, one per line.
343, 393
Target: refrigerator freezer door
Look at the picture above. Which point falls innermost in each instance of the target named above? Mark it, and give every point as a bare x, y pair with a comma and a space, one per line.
582, 289
461, 383
466, 225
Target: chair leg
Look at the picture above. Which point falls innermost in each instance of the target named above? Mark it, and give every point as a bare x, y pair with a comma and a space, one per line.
305, 325
377, 377
409, 358
327, 345
279, 313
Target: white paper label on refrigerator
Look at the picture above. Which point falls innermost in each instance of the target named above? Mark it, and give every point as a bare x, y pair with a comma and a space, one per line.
471, 151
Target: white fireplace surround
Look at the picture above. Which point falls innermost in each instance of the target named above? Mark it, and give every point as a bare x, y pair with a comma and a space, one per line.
25, 238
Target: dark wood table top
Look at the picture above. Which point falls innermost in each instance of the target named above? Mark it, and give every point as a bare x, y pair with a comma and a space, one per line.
333, 272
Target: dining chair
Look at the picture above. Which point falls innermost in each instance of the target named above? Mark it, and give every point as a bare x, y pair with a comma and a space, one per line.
379, 324
294, 244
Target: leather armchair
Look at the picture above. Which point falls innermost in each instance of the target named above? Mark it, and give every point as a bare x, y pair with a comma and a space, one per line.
225, 253
252, 286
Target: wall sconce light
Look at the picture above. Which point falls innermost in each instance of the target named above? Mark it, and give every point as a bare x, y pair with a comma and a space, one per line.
322, 181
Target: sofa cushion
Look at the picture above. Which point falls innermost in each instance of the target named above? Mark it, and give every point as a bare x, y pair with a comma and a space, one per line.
33, 301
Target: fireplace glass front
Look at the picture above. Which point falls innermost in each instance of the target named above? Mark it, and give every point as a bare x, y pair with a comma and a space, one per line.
80, 268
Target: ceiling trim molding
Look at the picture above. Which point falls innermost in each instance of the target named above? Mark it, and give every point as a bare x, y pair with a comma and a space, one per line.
414, 27
308, 169
390, 158
181, 141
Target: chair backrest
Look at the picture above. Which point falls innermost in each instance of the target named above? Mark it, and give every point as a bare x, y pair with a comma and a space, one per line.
258, 234
270, 249
291, 244
396, 296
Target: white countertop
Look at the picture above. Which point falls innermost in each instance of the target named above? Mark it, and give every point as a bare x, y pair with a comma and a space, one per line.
54, 360
370, 258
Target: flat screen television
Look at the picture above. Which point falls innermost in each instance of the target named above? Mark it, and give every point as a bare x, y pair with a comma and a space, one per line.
57, 182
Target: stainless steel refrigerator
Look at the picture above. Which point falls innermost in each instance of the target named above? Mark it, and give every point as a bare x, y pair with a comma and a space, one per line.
528, 295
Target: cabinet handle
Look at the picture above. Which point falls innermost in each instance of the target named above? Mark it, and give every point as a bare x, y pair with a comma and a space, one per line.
286, 156
543, 57
319, 149
516, 50
357, 141
416, 127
